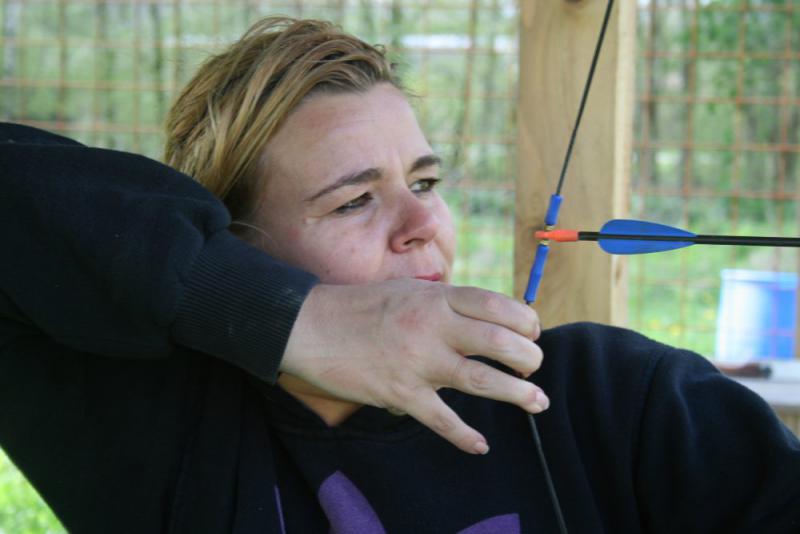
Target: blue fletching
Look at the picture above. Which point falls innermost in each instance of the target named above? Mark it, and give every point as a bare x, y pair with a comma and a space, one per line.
642, 228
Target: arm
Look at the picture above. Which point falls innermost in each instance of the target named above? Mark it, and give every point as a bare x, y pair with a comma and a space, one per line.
116, 254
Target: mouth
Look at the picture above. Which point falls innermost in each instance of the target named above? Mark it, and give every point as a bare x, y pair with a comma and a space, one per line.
435, 277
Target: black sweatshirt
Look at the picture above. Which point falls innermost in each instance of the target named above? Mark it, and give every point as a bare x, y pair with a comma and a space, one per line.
138, 341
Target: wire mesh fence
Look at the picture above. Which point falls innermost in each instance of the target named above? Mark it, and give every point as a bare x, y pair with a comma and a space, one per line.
716, 150
717, 130
104, 72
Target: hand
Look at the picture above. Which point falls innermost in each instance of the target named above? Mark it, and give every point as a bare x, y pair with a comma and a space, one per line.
393, 344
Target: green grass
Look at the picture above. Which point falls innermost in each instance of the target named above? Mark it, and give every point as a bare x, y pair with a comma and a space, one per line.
22, 511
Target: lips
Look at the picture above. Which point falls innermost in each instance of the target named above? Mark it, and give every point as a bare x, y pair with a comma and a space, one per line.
430, 277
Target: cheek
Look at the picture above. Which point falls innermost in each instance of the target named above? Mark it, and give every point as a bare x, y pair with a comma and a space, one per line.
293, 234
348, 256
446, 237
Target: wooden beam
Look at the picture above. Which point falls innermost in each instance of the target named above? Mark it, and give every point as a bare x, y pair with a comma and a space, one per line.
557, 39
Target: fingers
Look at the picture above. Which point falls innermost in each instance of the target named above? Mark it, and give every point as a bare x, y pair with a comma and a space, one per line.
495, 326
471, 336
432, 412
494, 308
393, 344
476, 378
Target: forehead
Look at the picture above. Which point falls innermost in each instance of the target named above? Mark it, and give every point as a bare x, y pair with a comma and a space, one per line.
326, 114
330, 135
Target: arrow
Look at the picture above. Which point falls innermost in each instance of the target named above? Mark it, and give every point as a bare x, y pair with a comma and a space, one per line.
626, 236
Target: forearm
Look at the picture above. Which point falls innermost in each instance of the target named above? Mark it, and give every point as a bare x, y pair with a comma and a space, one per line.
118, 255
240, 305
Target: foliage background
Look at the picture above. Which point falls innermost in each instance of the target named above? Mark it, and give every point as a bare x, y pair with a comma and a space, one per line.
717, 142
716, 132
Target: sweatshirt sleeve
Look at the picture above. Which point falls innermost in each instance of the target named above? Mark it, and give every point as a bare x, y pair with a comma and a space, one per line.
117, 255
713, 455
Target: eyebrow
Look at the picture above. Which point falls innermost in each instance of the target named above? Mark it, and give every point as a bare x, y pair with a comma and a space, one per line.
423, 162
372, 174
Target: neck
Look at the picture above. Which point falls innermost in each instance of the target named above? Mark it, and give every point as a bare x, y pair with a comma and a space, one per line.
331, 410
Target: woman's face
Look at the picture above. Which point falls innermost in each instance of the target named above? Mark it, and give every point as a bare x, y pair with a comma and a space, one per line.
349, 192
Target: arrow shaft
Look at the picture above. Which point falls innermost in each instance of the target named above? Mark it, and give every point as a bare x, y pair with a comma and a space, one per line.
699, 239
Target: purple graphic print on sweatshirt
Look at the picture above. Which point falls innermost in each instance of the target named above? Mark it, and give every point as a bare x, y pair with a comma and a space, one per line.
349, 512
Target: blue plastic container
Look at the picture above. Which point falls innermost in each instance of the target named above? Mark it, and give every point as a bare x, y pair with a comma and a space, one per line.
757, 315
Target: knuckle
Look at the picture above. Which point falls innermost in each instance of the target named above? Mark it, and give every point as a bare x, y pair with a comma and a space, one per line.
441, 424
480, 377
532, 362
400, 395
538, 357
528, 322
498, 339
535, 324
492, 303
528, 394
456, 374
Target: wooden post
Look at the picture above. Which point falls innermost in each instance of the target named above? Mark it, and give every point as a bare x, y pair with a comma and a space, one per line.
557, 39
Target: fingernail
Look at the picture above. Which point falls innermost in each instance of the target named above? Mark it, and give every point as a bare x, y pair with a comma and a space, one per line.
542, 401
481, 447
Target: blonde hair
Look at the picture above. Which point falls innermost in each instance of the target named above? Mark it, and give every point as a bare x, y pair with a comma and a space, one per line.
219, 125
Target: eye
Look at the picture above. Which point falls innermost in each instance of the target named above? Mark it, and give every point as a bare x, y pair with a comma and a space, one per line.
425, 185
354, 204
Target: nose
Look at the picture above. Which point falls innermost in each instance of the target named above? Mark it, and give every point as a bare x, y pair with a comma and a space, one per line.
417, 225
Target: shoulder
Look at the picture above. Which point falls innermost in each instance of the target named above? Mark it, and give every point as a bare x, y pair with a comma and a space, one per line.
608, 362
26, 135
586, 336
581, 344
615, 346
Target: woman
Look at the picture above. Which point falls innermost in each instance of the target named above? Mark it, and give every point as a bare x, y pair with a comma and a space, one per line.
305, 134
232, 130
